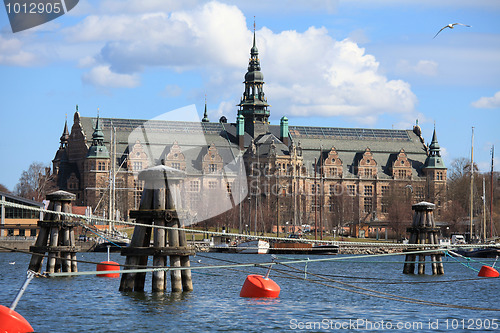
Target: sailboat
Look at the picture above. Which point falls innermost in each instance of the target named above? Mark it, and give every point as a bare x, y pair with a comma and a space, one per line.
485, 252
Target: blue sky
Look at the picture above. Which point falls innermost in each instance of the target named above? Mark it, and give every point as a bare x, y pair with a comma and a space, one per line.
356, 63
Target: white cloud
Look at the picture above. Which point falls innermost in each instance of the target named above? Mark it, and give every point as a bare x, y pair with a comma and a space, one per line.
488, 102
312, 74
307, 73
171, 90
422, 67
12, 53
210, 35
102, 76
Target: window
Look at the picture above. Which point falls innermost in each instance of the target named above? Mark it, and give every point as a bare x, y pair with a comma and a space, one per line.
139, 184
194, 200
368, 205
194, 186
212, 168
212, 185
72, 184
32, 232
402, 174
137, 166
101, 166
368, 190
314, 188
368, 173
385, 189
332, 205
351, 190
176, 165
228, 187
22, 232
333, 172
332, 189
384, 207
419, 193
137, 198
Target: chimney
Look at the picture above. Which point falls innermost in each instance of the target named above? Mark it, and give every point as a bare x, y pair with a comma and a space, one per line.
240, 131
284, 131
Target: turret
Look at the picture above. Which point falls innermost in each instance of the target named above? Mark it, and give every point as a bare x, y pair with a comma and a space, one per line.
98, 149
253, 105
205, 114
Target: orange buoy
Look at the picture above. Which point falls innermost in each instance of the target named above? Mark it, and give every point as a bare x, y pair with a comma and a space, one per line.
488, 271
108, 266
11, 321
259, 286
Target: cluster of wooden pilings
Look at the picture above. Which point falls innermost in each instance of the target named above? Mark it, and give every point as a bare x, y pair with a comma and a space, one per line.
56, 237
161, 205
423, 232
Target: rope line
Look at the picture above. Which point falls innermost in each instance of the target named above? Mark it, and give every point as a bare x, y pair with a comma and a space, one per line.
88, 219
371, 279
384, 295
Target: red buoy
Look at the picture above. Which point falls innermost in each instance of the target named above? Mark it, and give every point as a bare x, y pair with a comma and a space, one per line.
11, 321
259, 286
488, 271
108, 266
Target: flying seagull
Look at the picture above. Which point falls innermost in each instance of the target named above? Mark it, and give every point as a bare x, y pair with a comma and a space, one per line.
451, 26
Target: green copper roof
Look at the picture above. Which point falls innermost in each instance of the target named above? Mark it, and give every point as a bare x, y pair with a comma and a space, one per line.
97, 149
205, 115
434, 160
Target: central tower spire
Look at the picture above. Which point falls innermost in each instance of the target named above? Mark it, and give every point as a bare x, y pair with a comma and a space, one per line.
253, 104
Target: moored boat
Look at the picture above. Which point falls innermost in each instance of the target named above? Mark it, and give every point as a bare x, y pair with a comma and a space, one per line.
484, 252
254, 247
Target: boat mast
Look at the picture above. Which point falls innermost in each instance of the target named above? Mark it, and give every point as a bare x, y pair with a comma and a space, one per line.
315, 203
491, 190
112, 175
110, 203
484, 210
471, 185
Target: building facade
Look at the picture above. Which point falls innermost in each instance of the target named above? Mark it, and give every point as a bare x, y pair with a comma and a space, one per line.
18, 221
295, 175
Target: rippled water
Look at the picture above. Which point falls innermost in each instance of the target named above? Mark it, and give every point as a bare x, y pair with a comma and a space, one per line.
92, 304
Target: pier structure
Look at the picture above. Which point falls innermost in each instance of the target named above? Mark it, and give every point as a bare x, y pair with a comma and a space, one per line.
161, 205
56, 237
423, 231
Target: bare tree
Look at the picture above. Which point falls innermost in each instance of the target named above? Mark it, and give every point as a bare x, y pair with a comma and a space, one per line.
399, 213
454, 214
4, 189
35, 182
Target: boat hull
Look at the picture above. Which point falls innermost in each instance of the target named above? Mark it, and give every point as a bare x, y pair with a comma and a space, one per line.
254, 247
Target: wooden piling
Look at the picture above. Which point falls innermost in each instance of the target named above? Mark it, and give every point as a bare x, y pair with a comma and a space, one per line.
159, 240
158, 209
423, 232
56, 237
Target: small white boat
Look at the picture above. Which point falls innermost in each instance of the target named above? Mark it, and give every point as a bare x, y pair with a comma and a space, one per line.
254, 247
